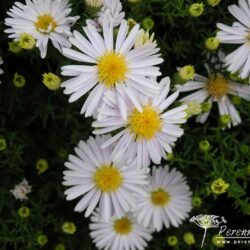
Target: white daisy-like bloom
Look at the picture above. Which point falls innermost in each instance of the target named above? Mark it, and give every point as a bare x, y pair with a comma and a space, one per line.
108, 65
120, 233
238, 33
147, 129
101, 181
21, 190
111, 12
1, 71
43, 19
215, 89
168, 200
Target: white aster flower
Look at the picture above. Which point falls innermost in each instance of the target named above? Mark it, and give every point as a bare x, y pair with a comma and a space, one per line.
111, 12
43, 19
168, 200
94, 175
215, 88
145, 129
120, 233
238, 33
21, 190
109, 65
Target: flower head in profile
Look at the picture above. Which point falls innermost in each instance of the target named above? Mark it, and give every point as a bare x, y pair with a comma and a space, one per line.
112, 12
239, 34
21, 190
168, 200
215, 88
207, 221
1, 71
101, 181
119, 233
106, 64
41, 20
147, 127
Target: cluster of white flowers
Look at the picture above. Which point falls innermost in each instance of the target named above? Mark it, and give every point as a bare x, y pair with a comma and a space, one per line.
117, 68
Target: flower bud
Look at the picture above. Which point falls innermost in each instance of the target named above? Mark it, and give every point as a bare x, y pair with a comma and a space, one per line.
244, 149
24, 212
196, 201
213, 3
206, 107
69, 227
219, 186
42, 165
212, 43
27, 41
60, 247
218, 242
224, 120
196, 9
42, 239
51, 81
14, 47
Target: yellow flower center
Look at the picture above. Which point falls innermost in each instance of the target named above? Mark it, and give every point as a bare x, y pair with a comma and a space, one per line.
123, 226
160, 197
144, 124
218, 86
108, 178
112, 69
45, 24
27, 41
